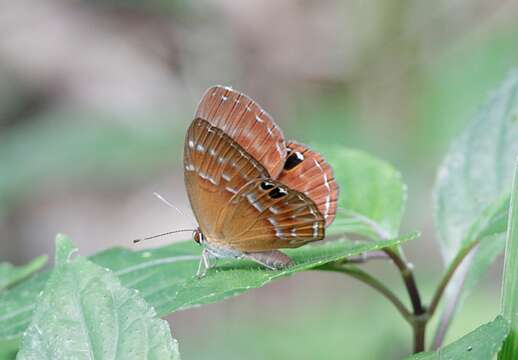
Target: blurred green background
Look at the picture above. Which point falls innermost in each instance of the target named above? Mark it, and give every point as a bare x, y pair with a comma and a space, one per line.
95, 98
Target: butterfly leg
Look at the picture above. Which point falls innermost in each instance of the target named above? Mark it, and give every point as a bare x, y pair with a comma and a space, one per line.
204, 264
273, 260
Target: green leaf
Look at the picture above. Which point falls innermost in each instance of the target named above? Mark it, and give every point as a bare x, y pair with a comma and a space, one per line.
165, 277
472, 188
85, 313
477, 172
481, 344
64, 250
510, 281
11, 275
372, 194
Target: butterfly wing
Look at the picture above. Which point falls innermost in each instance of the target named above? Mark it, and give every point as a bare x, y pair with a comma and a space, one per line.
306, 171
247, 123
266, 215
216, 168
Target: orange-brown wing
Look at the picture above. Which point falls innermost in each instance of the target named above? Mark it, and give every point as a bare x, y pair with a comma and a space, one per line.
247, 123
306, 171
216, 168
267, 215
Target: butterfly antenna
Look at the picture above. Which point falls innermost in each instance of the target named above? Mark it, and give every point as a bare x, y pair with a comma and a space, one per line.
161, 198
159, 235
164, 200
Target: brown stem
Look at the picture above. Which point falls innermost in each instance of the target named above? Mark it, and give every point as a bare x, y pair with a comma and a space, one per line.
407, 274
419, 316
419, 334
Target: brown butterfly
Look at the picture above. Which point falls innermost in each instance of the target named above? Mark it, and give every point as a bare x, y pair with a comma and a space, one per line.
251, 192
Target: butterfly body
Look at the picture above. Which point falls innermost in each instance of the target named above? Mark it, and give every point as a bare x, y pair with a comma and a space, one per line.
251, 192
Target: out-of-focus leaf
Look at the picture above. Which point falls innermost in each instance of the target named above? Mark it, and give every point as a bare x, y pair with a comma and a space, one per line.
477, 172
372, 194
11, 275
166, 278
489, 249
474, 181
45, 147
85, 313
510, 281
481, 344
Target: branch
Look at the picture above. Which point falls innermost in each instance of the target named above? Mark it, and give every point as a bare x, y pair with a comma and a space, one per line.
457, 261
372, 282
407, 274
451, 305
419, 318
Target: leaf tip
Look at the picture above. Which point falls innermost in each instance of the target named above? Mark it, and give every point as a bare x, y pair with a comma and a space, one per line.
64, 249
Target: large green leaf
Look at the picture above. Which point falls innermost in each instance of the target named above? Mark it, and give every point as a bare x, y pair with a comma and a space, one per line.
11, 275
372, 194
477, 172
481, 344
473, 186
165, 277
85, 313
510, 281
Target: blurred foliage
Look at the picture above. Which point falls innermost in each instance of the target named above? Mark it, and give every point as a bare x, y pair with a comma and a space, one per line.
121, 154
45, 144
12, 275
357, 325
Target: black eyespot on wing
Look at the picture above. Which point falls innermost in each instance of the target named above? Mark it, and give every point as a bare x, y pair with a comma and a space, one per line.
265, 185
277, 193
293, 159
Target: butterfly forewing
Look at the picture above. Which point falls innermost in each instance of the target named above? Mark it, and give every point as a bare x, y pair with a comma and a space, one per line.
306, 171
216, 168
267, 215
243, 120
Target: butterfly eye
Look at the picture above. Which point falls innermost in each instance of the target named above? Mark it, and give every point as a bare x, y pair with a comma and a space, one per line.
277, 193
265, 185
198, 236
293, 159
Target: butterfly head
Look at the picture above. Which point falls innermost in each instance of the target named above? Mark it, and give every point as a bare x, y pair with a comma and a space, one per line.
198, 236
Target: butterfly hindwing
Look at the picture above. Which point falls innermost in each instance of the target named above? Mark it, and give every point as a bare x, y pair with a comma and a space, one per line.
243, 120
306, 171
267, 215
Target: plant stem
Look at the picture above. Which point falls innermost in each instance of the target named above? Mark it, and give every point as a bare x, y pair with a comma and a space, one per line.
449, 310
407, 273
420, 316
372, 282
419, 328
461, 255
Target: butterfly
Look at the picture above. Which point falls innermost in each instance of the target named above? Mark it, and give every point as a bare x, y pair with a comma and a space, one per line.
251, 191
